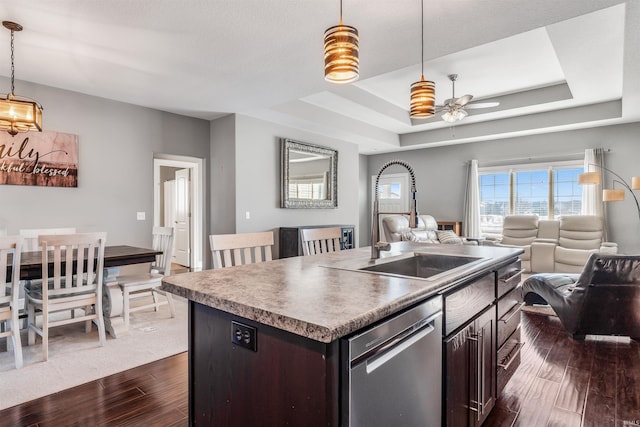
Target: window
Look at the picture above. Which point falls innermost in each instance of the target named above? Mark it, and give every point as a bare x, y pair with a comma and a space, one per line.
548, 191
312, 188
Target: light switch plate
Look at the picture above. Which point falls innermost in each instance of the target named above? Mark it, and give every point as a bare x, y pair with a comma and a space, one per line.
140, 216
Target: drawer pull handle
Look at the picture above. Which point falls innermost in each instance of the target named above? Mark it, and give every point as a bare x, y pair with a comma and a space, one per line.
510, 274
511, 356
514, 310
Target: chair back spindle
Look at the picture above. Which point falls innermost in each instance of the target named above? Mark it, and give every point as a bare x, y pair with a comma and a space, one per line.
229, 250
320, 240
10, 248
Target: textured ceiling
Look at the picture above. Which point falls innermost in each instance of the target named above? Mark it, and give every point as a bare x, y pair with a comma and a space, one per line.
263, 58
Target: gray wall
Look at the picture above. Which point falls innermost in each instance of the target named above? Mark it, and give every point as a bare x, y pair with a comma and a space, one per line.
441, 171
257, 178
364, 203
223, 175
116, 143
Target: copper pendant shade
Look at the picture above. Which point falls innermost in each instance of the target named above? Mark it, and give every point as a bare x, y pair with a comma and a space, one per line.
18, 114
341, 60
423, 92
423, 99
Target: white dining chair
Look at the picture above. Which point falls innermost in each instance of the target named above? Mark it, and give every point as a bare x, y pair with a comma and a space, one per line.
10, 248
228, 250
73, 285
31, 236
320, 240
30, 244
145, 285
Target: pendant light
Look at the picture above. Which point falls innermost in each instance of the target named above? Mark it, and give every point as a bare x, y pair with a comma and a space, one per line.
341, 53
423, 92
18, 114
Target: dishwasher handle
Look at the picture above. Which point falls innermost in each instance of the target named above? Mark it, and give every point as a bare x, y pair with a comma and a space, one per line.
401, 342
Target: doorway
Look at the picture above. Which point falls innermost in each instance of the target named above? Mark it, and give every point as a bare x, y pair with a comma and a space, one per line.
179, 202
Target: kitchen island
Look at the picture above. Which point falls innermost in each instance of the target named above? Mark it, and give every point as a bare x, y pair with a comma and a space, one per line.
289, 317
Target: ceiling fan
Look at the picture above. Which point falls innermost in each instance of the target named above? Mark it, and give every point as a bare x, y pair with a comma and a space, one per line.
454, 108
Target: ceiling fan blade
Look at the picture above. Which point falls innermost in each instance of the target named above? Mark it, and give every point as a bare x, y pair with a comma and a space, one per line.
463, 100
483, 104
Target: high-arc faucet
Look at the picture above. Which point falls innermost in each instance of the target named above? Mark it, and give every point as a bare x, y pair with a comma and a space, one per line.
376, 244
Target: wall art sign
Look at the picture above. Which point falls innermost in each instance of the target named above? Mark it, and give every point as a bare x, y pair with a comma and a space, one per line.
39, 158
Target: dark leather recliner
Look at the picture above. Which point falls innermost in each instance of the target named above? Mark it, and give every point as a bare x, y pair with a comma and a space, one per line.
602, 300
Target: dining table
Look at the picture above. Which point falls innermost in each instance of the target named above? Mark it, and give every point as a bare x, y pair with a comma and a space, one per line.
112, 296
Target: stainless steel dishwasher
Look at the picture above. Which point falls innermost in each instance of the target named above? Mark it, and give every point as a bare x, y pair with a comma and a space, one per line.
392, 372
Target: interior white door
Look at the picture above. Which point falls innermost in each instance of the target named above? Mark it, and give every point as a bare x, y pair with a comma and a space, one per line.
169, 213
393, 196
183, 218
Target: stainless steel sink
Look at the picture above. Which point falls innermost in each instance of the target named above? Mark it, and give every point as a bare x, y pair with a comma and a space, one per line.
423, 265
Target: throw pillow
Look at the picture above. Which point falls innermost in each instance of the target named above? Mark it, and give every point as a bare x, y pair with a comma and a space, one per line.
449, 237
408, 236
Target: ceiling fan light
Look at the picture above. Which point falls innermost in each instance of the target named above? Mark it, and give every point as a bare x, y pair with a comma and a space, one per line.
423, 99
341, 60
454, 115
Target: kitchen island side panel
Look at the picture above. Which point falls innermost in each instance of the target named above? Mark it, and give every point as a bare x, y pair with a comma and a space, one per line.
289, 380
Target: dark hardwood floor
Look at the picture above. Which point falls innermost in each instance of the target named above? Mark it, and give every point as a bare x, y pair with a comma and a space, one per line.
150, 395
560, 382
565, 382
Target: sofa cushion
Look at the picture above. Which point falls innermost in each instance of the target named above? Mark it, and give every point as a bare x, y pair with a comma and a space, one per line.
449, 237
571, 260
421, 236
580, 232
519, 230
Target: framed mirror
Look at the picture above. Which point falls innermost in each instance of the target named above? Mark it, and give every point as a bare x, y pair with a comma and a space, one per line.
309, 175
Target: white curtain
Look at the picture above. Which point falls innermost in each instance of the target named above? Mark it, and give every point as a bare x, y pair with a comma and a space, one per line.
591, 194
471, 222
592, 203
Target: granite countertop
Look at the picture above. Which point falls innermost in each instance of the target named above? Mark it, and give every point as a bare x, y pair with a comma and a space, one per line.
320, 297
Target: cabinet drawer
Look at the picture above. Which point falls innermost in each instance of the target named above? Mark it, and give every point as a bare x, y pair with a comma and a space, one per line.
509, 359
509, 314
507, 301
464, 303
508, 277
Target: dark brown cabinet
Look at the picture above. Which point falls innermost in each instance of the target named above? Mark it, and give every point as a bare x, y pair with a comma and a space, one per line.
481, 343
471, 368
290, 244
470, 352
509, 304
287, 380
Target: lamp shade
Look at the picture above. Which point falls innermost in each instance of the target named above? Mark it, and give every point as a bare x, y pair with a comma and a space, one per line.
613, 195
17, 113
635, 183
20, 115
423, 99
341, 54
589, 178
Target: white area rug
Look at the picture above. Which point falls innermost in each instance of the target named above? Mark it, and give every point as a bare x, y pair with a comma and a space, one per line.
76, 358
